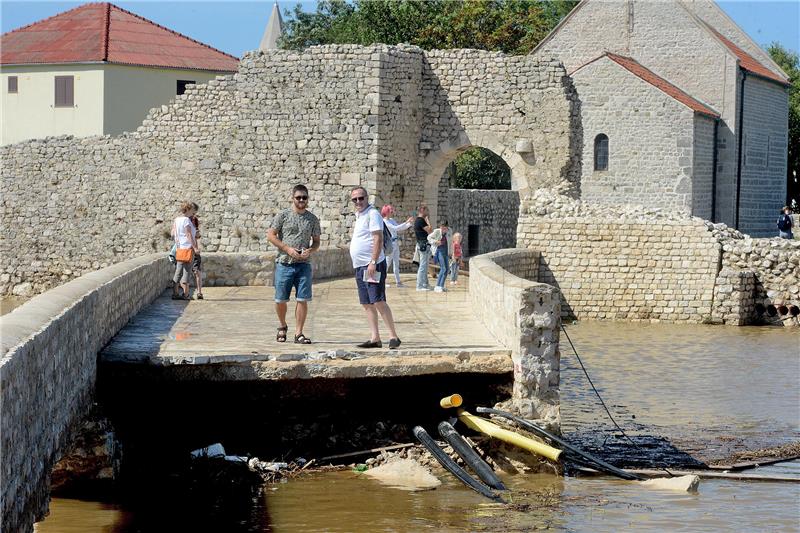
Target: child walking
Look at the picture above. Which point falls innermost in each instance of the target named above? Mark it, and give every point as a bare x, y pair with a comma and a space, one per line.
457, 259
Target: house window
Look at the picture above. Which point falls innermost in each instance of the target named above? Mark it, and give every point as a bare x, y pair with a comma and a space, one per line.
65, 91
12, 84
182, 85
601, 152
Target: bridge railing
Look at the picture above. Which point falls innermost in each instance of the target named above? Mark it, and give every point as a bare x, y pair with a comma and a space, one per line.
524, 315
48, 369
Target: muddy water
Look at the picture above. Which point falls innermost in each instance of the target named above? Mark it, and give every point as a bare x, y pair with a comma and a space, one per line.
708, 390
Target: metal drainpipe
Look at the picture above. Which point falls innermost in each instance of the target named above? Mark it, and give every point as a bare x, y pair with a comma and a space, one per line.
714, 174
741, 142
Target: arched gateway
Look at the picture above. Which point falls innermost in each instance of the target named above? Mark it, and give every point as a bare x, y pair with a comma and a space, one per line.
386, 117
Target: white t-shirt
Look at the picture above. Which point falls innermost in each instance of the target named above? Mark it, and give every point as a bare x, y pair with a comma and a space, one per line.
367, 221
180, 226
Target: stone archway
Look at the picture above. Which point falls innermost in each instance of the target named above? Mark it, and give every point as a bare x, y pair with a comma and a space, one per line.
435, 161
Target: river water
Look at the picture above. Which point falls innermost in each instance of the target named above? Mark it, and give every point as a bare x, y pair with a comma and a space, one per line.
706, 391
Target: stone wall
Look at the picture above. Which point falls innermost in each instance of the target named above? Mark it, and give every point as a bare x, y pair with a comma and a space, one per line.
775, 263
622, 264
48, 370
525, 316
495, 212
244, 269
734, 302
765, 126
650, 140
522, 108
703, 167
331, 117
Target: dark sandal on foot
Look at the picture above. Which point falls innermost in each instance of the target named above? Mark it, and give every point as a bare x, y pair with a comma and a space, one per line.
301, 339
281, 337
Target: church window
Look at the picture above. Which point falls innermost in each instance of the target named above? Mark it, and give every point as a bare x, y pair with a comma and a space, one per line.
601, 152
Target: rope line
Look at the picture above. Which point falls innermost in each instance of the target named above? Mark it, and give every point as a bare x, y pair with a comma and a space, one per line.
603, 403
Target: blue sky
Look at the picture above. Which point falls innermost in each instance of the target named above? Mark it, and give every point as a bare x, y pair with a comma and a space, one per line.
236, 27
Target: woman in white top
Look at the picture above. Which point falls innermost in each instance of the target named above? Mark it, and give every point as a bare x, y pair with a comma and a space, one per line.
387, 211
184, 234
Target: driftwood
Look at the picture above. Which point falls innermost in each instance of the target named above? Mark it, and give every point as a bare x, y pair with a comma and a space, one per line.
365, 452
753, 464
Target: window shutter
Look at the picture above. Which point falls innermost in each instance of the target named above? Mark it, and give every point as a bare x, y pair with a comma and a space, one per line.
65, 92
12, 84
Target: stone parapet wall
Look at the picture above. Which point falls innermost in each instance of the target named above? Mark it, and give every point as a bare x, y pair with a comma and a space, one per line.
525, 316
244, 269
622, 263
48, 370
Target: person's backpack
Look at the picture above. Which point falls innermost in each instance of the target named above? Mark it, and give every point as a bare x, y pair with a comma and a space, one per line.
388, 245
784, 223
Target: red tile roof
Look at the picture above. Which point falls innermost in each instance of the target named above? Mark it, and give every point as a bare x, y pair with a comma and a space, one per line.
660, 83
103, 32
748, 62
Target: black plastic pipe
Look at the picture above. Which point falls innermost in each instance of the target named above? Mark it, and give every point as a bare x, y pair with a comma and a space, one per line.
452, 467
470, 456
541, 432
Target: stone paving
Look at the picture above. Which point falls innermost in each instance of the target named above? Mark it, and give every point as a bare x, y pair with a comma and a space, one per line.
233, 330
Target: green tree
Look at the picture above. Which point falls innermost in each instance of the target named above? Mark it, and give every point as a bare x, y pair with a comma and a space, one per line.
509, 26
479, 168
790, 63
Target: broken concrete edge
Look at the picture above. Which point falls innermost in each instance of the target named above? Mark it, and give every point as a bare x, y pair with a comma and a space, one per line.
374, 367
195, 358
525, 316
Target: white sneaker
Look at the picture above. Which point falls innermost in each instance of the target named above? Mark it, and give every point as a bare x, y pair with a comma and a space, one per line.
423, 288
439, 289
401, 285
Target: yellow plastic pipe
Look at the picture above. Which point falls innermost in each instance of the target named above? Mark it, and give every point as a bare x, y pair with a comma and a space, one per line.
454, 400
482, 425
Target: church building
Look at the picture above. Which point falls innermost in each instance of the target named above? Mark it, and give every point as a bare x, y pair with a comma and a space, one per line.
680, 109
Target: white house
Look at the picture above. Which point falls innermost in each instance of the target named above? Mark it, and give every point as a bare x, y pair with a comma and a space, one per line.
96, 69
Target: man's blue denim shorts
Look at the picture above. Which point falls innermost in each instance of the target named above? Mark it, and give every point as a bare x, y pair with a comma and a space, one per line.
369, 293
297, 275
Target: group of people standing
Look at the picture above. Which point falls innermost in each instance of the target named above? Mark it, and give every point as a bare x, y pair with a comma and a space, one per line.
437, 244
296, 232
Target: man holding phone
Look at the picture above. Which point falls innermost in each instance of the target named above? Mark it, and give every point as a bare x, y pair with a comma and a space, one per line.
295, 232
369, 262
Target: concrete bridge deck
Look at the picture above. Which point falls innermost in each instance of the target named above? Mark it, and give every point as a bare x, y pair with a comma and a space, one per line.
230, 335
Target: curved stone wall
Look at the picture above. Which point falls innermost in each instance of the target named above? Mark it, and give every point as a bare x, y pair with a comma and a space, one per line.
48, 370
525, 316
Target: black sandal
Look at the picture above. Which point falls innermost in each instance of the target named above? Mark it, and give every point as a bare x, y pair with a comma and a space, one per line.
301, 339
281, 337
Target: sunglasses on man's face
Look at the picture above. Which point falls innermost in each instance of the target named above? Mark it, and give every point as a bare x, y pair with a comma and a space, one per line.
358, 199
301, 198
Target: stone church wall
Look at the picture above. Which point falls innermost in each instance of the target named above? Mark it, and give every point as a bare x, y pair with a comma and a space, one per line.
650, 140
703, 167
765, 125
